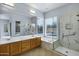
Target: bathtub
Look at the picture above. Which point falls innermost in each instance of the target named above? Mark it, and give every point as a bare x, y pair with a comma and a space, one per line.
48, 39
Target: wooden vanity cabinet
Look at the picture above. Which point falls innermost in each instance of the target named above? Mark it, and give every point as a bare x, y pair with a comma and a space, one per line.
38, 42
35, 42
25, 45
15, 48
4, 50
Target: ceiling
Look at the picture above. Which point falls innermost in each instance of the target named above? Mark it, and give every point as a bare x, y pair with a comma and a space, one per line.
45, 7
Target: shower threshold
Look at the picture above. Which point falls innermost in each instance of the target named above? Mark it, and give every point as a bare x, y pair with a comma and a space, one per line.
67, 51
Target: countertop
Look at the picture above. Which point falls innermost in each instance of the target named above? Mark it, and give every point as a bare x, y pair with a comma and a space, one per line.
18, 38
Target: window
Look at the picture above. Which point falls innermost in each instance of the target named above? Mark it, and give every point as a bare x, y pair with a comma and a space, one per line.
17, 27
51, 26
40, 26
5, 27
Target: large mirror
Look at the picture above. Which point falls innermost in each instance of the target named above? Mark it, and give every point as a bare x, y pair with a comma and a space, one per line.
15, 23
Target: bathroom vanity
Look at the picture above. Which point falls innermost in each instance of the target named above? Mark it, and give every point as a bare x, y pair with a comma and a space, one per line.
19, 45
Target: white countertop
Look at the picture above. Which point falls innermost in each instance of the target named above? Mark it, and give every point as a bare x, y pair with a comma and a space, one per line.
18, 38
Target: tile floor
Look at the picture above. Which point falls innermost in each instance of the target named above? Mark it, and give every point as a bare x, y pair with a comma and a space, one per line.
41, 52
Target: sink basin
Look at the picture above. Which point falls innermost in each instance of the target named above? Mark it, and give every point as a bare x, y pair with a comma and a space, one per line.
5, 38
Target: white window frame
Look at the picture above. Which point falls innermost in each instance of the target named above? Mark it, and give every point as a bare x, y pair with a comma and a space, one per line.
45, 28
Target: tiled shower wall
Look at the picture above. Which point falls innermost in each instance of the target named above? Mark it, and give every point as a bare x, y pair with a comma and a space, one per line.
69, 30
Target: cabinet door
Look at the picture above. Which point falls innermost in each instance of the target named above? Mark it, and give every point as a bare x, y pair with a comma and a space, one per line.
38, 42
25, 45
15, 48
4, 50
33, 43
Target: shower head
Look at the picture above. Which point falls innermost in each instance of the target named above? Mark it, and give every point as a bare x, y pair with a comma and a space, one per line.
77, 15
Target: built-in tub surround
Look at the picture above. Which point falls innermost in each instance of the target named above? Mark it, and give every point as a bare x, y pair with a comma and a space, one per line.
49, 43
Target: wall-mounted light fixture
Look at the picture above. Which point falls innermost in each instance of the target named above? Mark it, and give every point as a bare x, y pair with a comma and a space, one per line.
10, 4
77, 15
32, 11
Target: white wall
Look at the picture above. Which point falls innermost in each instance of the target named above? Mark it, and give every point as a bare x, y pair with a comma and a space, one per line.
67, 15
62, 10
